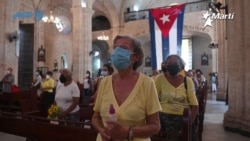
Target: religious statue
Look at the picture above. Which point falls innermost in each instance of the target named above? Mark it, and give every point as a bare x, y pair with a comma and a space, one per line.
41, 54
55, 65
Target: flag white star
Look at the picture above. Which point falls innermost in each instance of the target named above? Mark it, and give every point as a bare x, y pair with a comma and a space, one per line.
165, 18
206, 15
208, 22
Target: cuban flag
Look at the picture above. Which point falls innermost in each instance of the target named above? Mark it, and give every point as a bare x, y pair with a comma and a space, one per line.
166, 25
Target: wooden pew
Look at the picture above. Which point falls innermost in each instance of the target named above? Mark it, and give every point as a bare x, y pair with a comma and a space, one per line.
38, 129
202, 100
24, 101
186, 133
85, 116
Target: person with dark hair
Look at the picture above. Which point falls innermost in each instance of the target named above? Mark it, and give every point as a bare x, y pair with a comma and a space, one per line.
9, 77
47, 96
213, 82
163, 67
128, 94
105, 71
200, 77
190, 73
38, 79
87, 84
176, 92
7, 81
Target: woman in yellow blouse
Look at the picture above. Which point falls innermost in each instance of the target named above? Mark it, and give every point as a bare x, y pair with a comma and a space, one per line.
47, 96
132, 94
174, 96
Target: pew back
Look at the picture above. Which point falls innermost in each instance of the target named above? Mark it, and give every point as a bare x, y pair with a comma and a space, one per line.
38, 129
24, 101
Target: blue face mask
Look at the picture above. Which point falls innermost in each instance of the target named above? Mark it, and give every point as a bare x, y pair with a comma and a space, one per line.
120, 58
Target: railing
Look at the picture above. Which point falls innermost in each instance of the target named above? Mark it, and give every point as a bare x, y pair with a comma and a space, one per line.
143, 14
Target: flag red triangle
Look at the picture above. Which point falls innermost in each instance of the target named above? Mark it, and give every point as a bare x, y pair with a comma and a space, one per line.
165, 17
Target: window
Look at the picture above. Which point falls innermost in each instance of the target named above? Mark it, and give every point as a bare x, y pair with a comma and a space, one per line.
186, 53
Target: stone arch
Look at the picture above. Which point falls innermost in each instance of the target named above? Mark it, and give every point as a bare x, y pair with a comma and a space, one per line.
107, 9
100, 23
103, 56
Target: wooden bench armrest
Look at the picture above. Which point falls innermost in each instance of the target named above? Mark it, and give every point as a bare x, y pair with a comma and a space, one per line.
187, 125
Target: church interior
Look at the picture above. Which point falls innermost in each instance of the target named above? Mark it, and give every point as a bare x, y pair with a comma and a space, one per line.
50, 35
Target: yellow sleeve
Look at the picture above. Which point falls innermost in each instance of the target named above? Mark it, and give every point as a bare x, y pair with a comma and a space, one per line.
152, 100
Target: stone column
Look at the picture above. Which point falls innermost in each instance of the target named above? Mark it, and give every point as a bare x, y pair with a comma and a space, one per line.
222, 55
82, 38
238, 115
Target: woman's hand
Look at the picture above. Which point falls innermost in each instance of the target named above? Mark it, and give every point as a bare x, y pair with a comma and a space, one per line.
117, 130
62, 115
105, 135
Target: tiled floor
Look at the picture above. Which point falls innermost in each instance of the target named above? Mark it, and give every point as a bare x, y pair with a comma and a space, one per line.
213, 127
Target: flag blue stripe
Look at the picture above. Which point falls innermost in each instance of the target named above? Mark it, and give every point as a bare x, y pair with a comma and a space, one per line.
180, 19
153, 43
165, 48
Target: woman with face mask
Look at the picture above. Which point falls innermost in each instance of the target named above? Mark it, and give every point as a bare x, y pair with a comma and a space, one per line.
87, 84
105, 71
131, 95
38, 79
174, 96
67, 98
47, 95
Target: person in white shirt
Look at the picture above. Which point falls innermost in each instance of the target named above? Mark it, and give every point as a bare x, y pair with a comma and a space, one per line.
87, 84
67, 98
38, 79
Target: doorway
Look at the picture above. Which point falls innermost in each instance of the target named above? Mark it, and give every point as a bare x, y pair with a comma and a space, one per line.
26, 56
